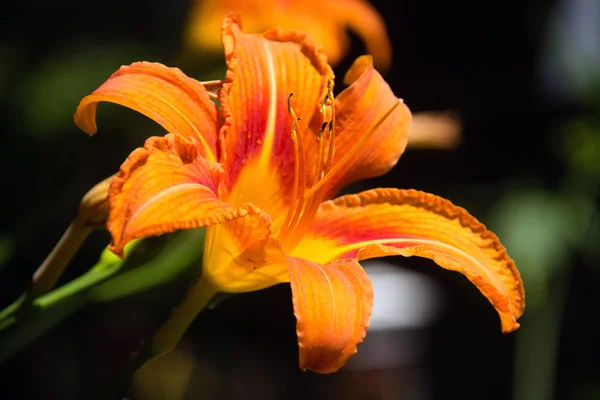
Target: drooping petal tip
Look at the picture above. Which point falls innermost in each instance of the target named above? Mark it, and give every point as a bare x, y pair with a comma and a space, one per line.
333, 305
372, 126
166, 95
384, 222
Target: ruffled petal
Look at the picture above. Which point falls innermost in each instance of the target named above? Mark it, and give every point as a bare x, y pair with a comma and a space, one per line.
179, 103
165, 186
384, 222
333, 304
368, 143
263, 70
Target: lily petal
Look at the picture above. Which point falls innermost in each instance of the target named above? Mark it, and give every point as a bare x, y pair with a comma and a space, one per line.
165, 186
362, 18
179, 103
359, 108
241, 256
263, 70
333, 305
326, 21
385, 222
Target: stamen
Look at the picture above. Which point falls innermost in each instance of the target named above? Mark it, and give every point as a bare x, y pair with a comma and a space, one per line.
351, 153
299, 168
328, 96
314, 195
331, 152
213, 88
318, 164
321, 164
308, 205
322, 130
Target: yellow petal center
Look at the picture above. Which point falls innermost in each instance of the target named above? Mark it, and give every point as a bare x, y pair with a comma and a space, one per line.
291, 212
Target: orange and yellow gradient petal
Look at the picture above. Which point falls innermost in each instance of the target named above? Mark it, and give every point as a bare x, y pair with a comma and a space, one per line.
165, 186
166, 95
240, 255
263, 70
326, 21
368, 142
332, 304
384, 222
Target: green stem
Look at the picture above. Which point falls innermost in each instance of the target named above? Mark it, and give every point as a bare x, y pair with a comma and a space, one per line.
16, 336
93, 277
28, 318
11, 310
111, 278
168, 335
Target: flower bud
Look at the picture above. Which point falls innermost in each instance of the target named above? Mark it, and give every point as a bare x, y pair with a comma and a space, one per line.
93, 209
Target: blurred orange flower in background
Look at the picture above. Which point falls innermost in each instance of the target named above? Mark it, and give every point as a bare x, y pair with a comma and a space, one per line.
326, 21
260, 172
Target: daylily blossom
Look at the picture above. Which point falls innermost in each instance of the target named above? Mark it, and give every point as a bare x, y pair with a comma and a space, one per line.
260, 170
326, 20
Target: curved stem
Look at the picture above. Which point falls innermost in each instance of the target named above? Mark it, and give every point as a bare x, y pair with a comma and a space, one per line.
168, 335
28, 318
46, 276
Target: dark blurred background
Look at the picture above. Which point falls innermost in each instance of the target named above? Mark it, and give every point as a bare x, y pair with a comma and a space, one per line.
523, 75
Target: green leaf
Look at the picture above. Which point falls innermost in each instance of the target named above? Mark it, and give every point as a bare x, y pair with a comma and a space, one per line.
181, 256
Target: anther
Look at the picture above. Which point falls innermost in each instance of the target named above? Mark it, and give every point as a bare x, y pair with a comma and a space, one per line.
290, 111
293, 114
323, 127
328, 95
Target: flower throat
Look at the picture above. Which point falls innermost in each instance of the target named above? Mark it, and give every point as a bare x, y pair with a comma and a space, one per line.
307, 194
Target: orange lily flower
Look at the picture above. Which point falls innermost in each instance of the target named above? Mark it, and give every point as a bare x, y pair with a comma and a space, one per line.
327, 21
259, 171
